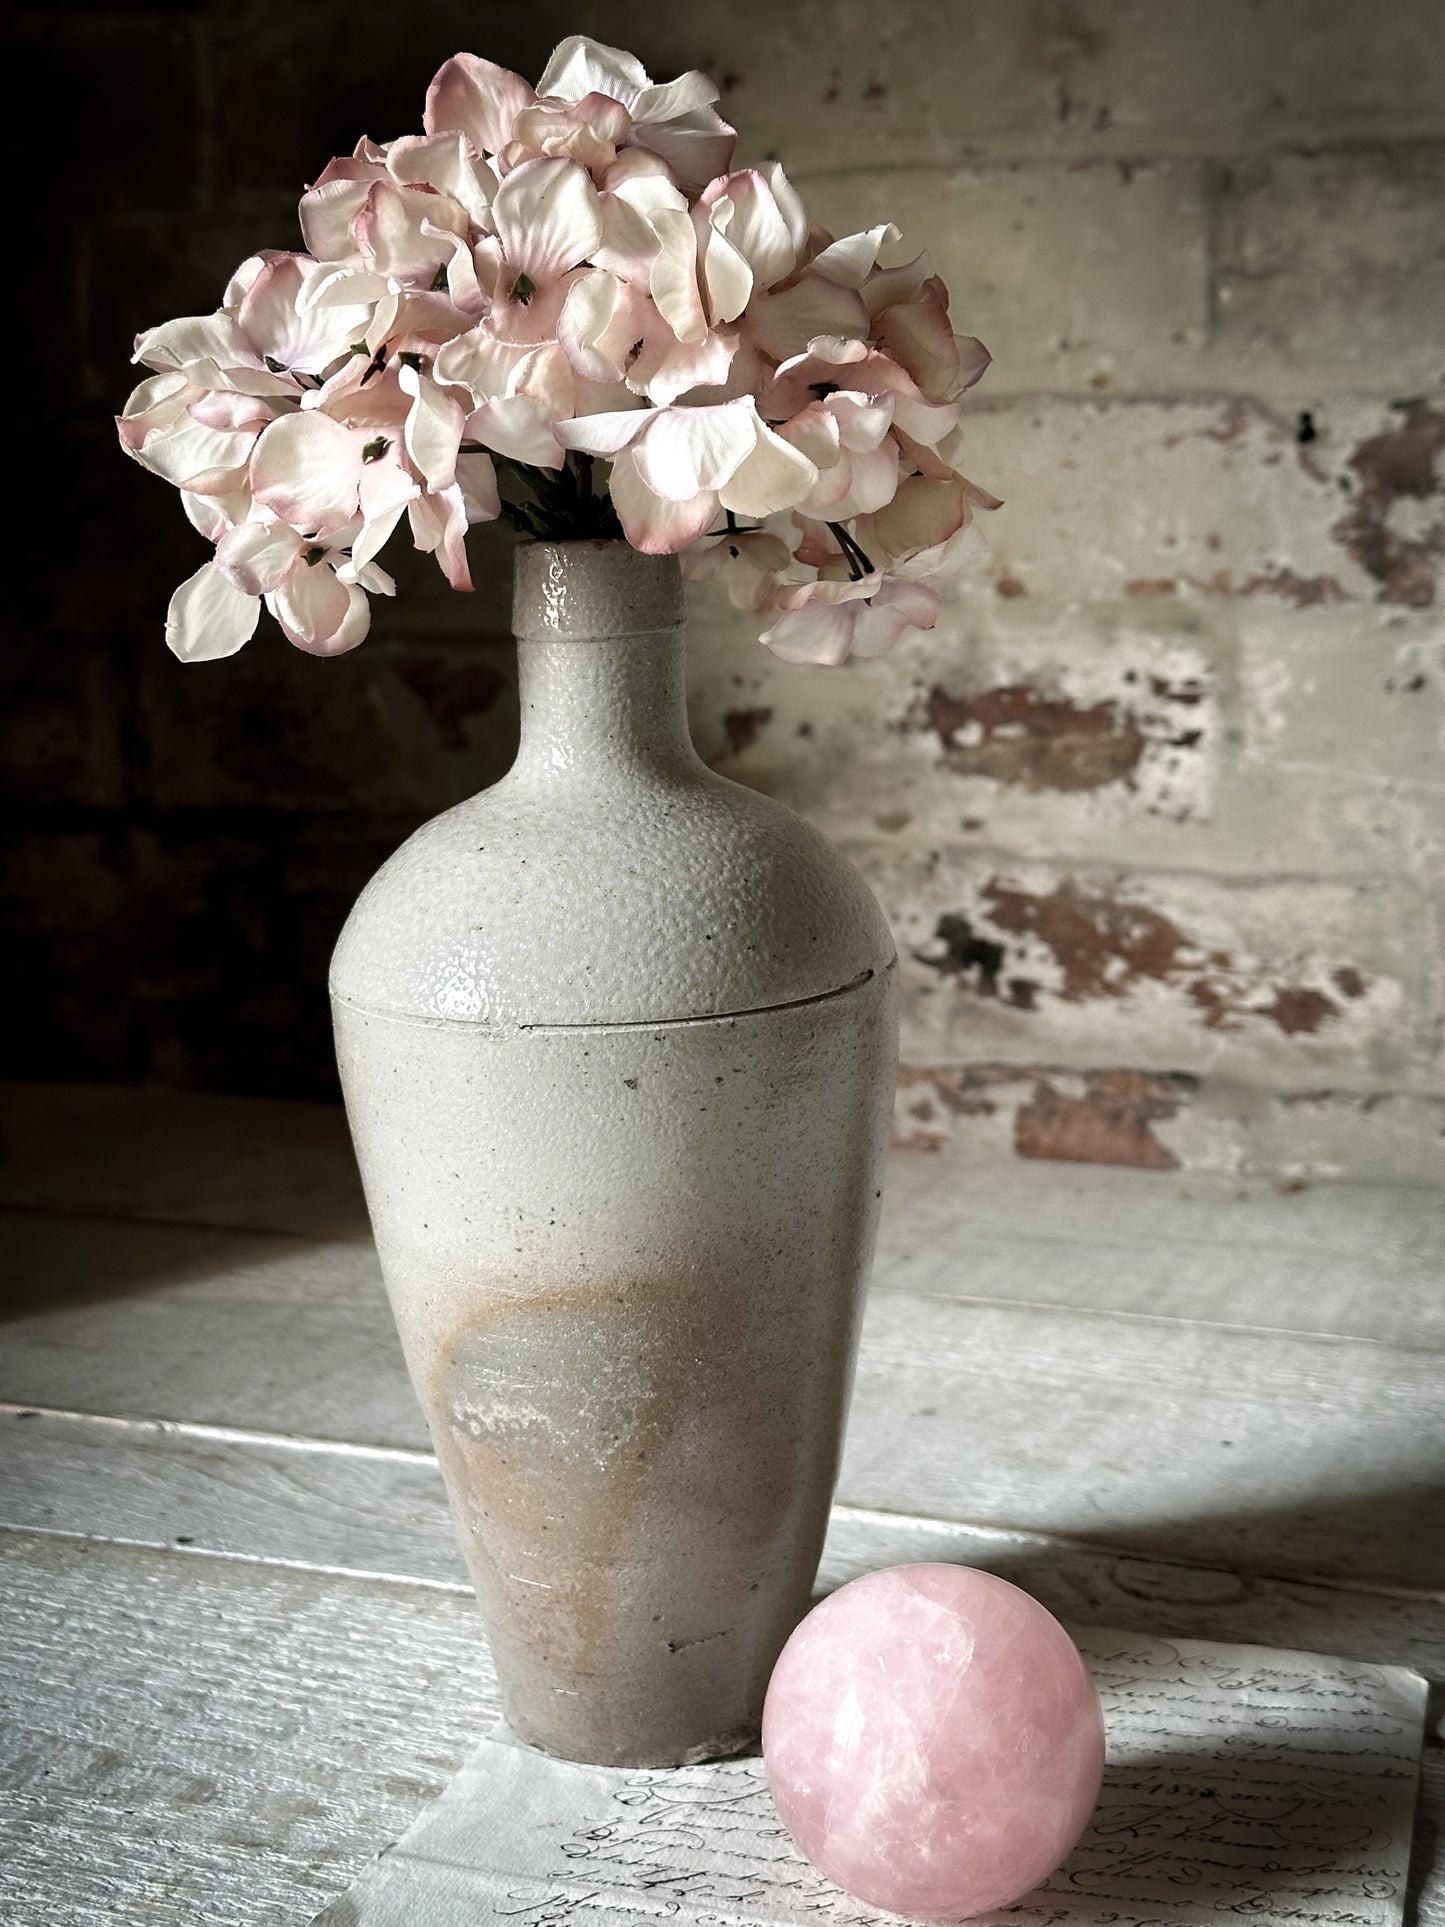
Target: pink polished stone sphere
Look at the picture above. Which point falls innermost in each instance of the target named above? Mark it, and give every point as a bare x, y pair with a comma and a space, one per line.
933, 1740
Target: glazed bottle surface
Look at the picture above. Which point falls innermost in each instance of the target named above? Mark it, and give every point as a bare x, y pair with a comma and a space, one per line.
617, 1039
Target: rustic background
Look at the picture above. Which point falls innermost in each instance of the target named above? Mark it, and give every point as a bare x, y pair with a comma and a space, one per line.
1156, 810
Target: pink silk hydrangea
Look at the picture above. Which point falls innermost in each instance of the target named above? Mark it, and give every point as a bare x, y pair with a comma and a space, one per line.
542, 281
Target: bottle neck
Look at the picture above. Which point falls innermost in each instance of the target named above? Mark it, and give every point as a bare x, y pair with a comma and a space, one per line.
590, 707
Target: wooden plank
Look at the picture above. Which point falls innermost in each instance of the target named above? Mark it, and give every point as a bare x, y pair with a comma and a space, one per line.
285, 1333
193, 1740
1279, 1453
1352, 1260
384, 1513
1269, 1451
373, 1513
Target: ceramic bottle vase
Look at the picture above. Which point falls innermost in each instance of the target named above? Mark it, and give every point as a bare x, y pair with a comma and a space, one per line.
617, 1039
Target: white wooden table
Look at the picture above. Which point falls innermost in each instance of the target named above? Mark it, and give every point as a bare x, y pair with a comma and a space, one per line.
237, 1650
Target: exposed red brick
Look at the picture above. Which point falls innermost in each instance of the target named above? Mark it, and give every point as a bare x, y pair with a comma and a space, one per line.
1348, 981
1039, 742
1298, 1010
1109, 1124
1105, 947
1152, 585
1009, 586
1398, 465
742, 726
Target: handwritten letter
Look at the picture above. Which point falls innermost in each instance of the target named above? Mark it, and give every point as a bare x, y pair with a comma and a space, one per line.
1243, 1785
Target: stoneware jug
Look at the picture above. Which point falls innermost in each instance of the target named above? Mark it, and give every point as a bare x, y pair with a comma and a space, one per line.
617, 1039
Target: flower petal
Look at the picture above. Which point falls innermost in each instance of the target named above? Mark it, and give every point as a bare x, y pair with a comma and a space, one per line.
519, 426
973, 359
306, 469
433, 428
208, 618
728, 277
920, 338
311, 605
666, 367
477, 480
697, 146
603, 434
191, 456
327, 213
439, 525
581, 66
405, 232
850, 261
686, 449
233, 413
774, 476
601, 322
477, 98
674, 99
757, 229
587, 131
650, 523
672, 277
784, 323
921, 515
276, 329
816, 633
898, 605
548, 218
256, 557
444, 160
192, 338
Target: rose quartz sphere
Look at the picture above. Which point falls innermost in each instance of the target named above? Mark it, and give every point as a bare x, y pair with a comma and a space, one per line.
933, 1740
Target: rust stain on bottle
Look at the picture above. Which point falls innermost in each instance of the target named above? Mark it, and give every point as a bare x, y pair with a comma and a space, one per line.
611, 1459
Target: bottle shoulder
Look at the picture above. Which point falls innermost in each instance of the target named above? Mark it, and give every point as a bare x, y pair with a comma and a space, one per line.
593, 903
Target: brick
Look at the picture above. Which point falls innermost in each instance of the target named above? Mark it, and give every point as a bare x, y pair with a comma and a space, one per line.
1333, 266
1305, 1137
957, 1119
1234, 736
1270, 982
405, 728
1041, 724
1146, 499
1343, 725
1075, 276
847, 84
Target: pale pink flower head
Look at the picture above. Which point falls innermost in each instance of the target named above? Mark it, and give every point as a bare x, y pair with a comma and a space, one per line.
564, 305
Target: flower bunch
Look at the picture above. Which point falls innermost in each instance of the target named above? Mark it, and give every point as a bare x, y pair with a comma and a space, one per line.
541, 282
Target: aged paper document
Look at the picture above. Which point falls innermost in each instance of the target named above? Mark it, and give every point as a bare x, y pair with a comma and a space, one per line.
1243, 1784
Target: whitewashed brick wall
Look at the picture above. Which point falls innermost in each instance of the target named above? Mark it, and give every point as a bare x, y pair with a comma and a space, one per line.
1158, 810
